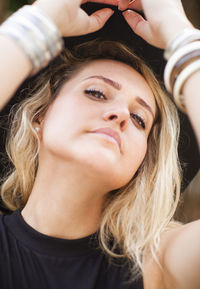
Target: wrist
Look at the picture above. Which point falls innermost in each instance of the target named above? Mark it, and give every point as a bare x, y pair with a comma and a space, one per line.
174, 29
50, 11
35, 34
183, 55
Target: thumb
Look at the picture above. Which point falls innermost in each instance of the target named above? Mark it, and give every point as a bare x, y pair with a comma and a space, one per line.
98, 19
138, 24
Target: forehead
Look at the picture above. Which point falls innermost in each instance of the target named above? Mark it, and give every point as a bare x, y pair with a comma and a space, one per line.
113, 68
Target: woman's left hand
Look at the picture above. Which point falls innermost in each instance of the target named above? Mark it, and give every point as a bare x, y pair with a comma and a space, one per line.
165, 19
71, 19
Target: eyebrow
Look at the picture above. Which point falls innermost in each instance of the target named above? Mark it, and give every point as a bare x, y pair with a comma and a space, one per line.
118, 86
107, 80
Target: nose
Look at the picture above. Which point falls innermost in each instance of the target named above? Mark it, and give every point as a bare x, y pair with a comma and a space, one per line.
120, 116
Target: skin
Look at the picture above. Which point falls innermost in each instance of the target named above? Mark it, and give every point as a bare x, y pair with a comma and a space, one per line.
78, 169
70, 12
178, 258
165, 19
60, 12
156, 29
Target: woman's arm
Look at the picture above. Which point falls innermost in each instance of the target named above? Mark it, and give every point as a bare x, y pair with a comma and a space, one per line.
191, 92
180, 260
166, 20
15, 67
70, 20
179, 253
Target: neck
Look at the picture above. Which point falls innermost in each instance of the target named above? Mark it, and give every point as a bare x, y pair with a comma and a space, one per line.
64, 203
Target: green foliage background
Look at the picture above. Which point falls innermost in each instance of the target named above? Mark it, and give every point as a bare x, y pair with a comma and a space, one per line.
15, 4
7, 7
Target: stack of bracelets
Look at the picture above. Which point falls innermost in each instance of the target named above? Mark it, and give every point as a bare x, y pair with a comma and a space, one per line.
36, 34
41, 40
183, 55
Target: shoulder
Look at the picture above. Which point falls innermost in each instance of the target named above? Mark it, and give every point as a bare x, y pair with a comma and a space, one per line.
179, 257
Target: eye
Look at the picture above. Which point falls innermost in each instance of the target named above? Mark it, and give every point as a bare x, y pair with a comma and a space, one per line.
95, 93
139, 120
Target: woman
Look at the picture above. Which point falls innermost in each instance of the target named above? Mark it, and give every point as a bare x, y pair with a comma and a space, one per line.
88, 127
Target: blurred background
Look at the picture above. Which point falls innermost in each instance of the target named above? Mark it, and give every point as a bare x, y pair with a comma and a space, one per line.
189, 208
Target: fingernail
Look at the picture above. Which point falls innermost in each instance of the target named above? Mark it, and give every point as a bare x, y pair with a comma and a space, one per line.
127, 11
119, 5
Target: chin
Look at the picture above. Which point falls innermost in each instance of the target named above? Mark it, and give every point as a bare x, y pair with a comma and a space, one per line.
110, 173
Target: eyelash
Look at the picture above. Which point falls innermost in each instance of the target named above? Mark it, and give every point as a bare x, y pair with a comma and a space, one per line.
94, 92
134, 116
139, 120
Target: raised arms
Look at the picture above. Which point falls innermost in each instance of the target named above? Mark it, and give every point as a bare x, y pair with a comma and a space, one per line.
165, 20
69, 19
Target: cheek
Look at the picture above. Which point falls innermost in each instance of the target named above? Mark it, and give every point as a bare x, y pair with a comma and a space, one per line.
142, 149
137, 152
133, 159
65, 120
56, 127
63, 115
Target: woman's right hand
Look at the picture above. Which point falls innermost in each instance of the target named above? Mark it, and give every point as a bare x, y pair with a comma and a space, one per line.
71, 20
165, 19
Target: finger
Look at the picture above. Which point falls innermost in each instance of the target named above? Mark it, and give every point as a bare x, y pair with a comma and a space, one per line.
123, 4
110, 2
138, 24
137, 5
98, 19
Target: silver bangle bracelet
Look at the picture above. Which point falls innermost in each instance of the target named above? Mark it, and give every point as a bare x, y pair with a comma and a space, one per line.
178, 54
36, 34
53, 36
185, 37
30, 33
17, 35
180, 81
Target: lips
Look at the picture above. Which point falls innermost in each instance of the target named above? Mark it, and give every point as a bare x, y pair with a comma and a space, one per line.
110, 132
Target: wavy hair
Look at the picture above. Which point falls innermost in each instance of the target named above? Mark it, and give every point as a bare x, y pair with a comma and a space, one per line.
133, 216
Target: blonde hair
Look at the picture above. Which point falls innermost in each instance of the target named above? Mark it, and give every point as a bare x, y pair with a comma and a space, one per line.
134, 216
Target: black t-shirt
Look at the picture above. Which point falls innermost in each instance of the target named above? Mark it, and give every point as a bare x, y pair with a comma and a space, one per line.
31, 260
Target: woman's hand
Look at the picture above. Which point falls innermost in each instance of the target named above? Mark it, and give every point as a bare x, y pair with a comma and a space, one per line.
164, 19
71, 20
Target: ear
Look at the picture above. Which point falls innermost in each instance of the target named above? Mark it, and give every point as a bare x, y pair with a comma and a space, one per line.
38, 125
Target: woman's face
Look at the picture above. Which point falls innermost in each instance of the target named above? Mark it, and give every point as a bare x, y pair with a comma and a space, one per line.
100, 121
